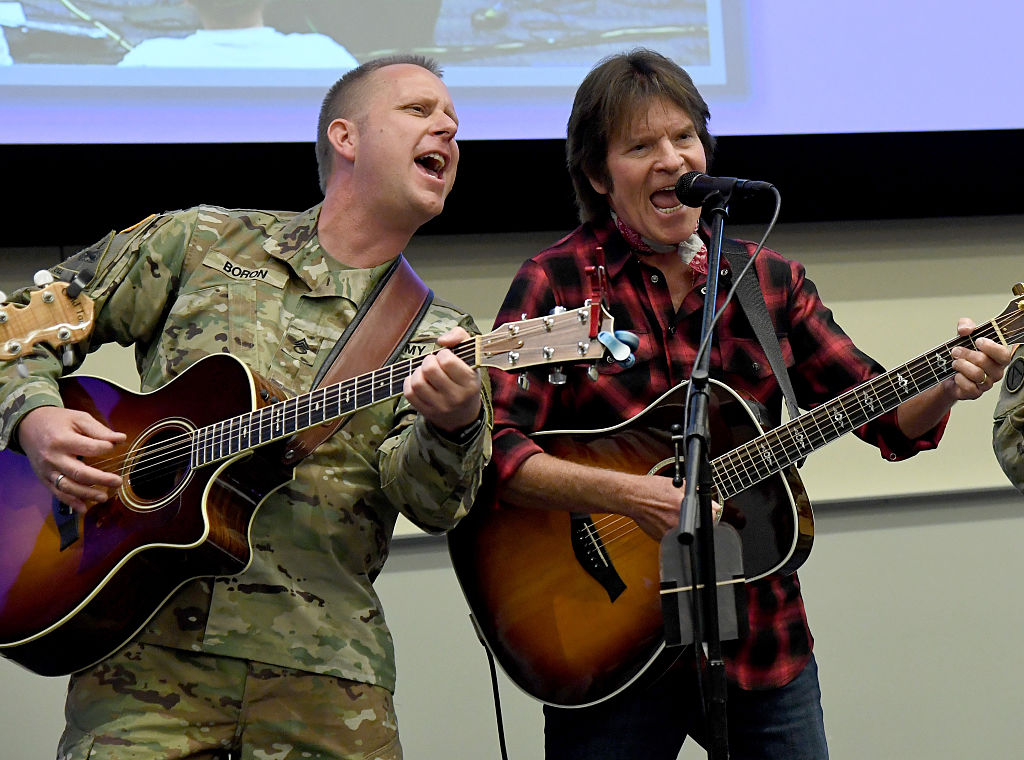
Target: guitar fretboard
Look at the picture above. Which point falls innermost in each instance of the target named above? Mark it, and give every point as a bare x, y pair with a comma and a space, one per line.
232, 436
787, 444
563, 337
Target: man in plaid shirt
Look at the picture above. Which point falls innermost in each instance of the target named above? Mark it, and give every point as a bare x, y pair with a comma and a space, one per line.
637, 125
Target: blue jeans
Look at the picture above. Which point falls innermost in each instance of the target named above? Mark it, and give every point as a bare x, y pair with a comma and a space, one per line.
651, 723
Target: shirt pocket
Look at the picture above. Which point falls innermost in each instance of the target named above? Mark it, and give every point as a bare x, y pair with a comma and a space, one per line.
300, 346
211, 319
302, 339
745, 359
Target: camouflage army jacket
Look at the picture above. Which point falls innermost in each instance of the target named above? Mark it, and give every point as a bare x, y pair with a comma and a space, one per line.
1008, 428
258, 285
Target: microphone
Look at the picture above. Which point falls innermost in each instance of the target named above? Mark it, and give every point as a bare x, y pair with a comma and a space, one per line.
694, 189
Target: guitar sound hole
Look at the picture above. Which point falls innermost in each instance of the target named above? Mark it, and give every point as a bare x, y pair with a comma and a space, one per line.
160, 466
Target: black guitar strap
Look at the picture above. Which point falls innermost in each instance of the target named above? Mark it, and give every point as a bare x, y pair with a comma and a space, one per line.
752, 301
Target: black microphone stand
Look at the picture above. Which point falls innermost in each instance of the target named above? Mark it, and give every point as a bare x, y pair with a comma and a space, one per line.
696, 534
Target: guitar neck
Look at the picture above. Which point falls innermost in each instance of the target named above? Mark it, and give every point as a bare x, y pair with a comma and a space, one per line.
283, 419
787, 444
566, 337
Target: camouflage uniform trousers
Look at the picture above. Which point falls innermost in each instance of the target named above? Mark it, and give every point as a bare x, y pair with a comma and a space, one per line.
147, 702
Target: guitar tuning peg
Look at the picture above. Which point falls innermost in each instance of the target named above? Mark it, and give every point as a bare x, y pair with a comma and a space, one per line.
619, 350
3, 297
592, 372
68, 357
620, 346
42, 278
79, 281
523, 381
22, 369
556, 376
630, 339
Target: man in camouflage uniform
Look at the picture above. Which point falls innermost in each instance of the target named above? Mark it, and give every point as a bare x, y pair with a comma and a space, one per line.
292, 658
1008, 432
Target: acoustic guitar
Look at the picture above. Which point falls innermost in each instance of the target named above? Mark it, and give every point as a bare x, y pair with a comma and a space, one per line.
196, 467
569, 603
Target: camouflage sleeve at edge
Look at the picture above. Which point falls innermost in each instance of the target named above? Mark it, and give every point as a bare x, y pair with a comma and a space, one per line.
112, 260
1008, 425
430, 480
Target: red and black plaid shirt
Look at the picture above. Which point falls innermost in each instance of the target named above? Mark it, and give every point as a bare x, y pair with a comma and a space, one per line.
822, 362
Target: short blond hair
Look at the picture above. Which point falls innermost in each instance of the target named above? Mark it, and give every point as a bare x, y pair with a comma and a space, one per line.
344, 101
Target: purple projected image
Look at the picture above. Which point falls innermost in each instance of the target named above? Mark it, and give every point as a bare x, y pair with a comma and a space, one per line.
176, 71
460, 32
152, 71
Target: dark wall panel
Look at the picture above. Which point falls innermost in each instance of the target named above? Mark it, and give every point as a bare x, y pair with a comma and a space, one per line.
68, 194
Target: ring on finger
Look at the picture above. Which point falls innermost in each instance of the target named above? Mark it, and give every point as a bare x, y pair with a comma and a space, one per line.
57, 480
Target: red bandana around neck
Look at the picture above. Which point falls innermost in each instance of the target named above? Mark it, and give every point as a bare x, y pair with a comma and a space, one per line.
692, 251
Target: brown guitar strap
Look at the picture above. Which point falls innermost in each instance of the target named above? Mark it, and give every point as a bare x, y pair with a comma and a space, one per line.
385, 321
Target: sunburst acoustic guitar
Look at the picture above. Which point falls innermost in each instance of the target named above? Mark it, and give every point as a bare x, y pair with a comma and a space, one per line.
569, 604
196, 467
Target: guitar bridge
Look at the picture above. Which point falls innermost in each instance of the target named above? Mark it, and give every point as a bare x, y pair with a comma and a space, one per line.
593, 556
67, 524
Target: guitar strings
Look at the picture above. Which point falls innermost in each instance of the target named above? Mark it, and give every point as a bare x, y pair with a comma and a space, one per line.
465, 351
155, 456
157, 463
227, 438
613, 528
738, 470
160, 459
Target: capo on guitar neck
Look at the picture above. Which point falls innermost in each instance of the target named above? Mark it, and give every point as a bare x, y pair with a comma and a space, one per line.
77, 281
595, 273
620, 343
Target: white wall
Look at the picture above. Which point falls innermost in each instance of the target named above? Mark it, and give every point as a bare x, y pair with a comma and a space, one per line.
911, 584
912, 604
897, 287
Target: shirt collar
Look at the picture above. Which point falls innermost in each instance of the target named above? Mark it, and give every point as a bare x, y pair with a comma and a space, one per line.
617, 252
296, 244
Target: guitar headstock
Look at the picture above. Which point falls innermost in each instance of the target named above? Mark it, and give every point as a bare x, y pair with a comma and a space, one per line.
1008, 327
569, 337
51, 316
